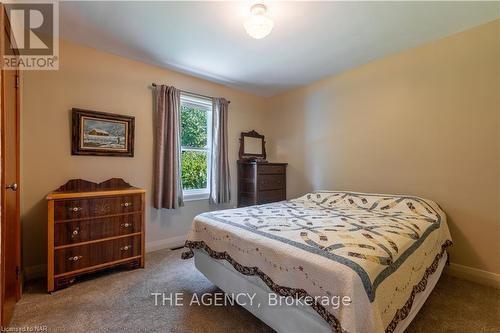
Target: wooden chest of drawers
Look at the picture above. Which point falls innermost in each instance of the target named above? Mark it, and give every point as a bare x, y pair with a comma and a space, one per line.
260, 183
93, 227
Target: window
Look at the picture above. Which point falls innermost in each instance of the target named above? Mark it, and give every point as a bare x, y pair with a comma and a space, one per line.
196, 138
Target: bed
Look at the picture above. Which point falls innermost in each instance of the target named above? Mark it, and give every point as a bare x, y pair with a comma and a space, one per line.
382, 252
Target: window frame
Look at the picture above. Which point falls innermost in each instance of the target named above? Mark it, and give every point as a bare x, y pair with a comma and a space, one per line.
204, 104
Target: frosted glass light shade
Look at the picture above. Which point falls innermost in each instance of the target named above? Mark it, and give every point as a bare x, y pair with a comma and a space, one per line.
258, 25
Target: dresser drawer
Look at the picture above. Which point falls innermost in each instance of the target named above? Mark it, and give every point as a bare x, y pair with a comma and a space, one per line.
271, 196
128, 247
82, 256
246, 200
71, 259
246, 187
264, 169
84, 208
272, 182
86, 230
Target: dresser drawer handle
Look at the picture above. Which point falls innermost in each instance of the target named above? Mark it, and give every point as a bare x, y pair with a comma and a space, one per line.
75, 258
75, 232
126, 204
126, 225
126, 247
75, 209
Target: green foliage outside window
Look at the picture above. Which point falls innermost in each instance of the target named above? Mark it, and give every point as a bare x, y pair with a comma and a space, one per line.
193, 135
193, 128
194, 170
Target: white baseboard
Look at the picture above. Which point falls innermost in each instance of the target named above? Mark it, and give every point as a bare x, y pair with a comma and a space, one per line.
475, 275
168, 243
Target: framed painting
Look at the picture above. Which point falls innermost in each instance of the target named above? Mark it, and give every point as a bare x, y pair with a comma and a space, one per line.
102, 134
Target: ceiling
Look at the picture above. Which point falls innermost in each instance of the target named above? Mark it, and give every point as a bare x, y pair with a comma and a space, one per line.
310, 40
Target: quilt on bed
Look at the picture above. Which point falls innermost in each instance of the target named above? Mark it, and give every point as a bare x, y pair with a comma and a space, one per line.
376, 249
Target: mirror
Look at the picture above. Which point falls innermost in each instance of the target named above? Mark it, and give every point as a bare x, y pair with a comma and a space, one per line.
252, 146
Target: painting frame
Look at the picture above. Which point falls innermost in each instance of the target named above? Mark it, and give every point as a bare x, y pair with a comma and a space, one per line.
100, 142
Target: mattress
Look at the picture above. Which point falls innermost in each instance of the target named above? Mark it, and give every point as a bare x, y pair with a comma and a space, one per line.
377, 250
284, 317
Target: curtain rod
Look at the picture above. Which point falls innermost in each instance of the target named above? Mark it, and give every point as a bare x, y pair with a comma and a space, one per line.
192, 93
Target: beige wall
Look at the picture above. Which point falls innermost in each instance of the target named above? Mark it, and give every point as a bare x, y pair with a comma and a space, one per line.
424, 122
100, 81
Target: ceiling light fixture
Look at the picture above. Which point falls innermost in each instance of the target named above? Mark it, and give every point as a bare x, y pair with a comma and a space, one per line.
258, 25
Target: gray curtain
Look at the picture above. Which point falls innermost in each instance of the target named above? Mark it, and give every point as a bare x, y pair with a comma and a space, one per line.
167, 174
220, 189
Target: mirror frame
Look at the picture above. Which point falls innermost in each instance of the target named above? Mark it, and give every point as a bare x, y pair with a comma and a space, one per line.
252, 134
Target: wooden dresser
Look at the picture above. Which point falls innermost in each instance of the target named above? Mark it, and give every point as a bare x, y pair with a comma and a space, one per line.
92, 227
261, 182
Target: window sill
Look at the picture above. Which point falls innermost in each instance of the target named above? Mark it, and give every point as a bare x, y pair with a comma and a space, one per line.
195, 196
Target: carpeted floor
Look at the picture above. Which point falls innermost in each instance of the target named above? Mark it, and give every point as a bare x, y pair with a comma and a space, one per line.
122, 302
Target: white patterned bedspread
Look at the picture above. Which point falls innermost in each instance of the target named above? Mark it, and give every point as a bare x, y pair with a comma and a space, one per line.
376, 249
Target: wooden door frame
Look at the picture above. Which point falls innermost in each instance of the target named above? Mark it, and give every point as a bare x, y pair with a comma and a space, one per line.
4, 24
